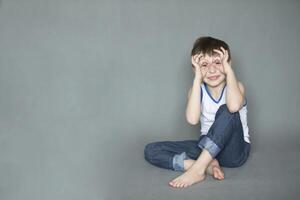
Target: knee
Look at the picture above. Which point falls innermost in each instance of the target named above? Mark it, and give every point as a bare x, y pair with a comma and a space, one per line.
148, 151
223, 109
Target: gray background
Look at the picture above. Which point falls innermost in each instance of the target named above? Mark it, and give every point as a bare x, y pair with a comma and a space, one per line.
85, 85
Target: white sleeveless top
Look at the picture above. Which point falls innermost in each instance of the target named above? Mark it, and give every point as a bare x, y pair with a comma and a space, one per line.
209, 108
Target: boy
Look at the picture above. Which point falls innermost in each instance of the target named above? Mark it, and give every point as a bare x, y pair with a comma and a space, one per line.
217, 100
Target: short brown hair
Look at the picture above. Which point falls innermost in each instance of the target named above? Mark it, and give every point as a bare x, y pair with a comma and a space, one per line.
206, 45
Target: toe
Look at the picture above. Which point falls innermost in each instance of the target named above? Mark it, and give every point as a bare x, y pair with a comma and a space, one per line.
221, 174
179, 184
221, 177
175, 184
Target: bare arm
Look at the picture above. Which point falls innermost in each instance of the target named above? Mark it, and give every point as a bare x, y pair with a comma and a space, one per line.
193, 107
235, 92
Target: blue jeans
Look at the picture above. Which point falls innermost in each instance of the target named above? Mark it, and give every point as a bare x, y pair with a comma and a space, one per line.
224, 141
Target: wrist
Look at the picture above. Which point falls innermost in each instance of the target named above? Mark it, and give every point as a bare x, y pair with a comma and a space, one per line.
197, 81
228, 69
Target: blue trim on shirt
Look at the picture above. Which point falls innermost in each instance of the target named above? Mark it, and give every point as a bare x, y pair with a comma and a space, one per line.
201, 93
245, 102
210, 94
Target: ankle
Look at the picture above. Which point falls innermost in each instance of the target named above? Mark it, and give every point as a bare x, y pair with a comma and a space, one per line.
188, 164
199, 169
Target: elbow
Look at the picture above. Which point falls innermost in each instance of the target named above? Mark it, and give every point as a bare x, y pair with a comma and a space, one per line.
233, 108
192, 121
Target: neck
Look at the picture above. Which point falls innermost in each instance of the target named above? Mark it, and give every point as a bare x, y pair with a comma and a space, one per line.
216, 90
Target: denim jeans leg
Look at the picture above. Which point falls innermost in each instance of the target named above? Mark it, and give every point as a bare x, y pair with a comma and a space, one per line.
178, 161
171, 154
236, 150
221, 131
235, 153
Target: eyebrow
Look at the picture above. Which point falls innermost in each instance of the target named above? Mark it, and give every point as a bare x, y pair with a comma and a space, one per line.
214, 59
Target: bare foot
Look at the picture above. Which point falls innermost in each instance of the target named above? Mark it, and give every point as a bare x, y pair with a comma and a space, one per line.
187, 164
188, 178
215, 170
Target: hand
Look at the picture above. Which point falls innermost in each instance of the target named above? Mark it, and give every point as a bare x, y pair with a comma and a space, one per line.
196, 66
224, 59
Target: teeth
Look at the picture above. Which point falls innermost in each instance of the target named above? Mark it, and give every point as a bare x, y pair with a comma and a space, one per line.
213, 77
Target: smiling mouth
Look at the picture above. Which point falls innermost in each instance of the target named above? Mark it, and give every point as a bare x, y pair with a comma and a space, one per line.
213, 77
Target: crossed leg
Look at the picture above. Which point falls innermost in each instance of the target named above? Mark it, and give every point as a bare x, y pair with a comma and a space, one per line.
213, 169
196, 172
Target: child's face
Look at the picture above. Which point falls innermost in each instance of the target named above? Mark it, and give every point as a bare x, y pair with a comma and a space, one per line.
212, 69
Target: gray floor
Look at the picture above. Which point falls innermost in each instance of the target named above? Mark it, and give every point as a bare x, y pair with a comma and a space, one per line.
271, 172
87, 169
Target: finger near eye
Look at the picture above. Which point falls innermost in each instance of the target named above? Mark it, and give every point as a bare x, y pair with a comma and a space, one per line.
195, 58
217, 50
199, 57
220, 52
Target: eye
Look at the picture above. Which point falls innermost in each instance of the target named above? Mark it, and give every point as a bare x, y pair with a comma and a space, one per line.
204, 65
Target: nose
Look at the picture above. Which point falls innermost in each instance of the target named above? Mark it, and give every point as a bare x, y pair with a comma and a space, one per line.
211, 68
